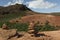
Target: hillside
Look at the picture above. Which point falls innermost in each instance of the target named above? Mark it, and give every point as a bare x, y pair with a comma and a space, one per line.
53, 13
41, 18
14, 11
17, 8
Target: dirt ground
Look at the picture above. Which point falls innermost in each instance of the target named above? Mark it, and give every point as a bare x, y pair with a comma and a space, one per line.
41, 18
51, 35
55, 35
12, 34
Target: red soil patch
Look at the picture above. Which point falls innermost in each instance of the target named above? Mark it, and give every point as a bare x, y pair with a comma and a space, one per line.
41, 18
53, 20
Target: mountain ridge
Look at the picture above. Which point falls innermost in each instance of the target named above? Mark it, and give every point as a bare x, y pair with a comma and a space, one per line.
16, 7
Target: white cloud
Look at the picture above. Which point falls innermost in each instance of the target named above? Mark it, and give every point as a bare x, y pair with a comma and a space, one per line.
41, 4
9, 3
14, 2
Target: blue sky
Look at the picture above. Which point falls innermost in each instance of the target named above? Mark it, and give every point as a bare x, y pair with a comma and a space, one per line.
45, 6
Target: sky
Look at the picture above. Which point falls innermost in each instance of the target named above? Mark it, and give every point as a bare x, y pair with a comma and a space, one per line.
44, 6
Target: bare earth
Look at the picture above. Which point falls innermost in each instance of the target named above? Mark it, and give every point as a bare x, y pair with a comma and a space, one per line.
11, 35
54, 34
41, 18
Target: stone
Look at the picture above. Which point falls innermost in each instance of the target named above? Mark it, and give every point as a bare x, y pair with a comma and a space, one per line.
4, 26
31, 31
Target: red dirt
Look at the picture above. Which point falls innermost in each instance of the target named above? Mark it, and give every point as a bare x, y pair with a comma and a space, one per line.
41, 18
53, 20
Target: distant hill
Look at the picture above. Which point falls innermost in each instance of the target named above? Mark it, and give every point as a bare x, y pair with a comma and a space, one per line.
17, 8
21, 9
14, 11
56, 13
53, 13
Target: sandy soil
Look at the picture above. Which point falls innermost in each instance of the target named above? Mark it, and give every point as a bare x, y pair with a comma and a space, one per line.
55, 35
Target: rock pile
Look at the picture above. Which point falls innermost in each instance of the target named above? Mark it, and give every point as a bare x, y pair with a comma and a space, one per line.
31, 29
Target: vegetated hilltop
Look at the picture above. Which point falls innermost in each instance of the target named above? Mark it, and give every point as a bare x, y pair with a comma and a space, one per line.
14, 11
18, 8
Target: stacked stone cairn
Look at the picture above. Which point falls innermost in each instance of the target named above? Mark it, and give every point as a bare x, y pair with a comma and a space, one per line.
31, 29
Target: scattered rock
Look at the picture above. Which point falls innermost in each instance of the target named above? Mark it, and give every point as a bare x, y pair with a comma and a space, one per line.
30, 31
4, 26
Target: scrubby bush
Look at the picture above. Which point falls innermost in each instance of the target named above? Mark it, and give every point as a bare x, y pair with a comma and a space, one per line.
45, 27
24, 26
18, 26
1, 24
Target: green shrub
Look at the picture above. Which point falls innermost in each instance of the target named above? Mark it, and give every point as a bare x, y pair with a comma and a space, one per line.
18, 26
24, 26
45, 27
1, 24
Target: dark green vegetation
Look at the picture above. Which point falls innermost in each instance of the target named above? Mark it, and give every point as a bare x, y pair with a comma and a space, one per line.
8, 17
18, 26
45, 27
24, 26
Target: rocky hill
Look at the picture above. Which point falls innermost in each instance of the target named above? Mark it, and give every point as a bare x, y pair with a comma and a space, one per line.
17, 8
14, 11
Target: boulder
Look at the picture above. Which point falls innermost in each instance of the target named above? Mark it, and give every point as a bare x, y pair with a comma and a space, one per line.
4, 26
